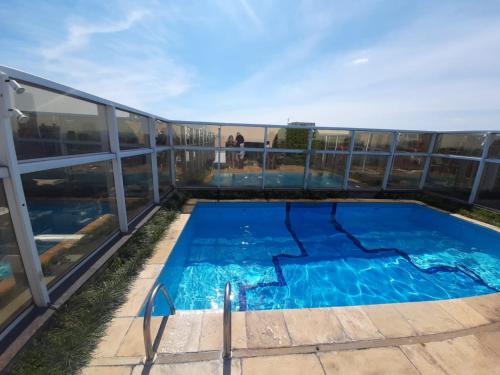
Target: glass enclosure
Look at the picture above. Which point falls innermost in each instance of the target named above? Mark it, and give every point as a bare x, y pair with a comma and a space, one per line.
72, 211
489, 188
413, 142
367, 172
331, 140
162, 137
284, 170
287, 138
138, 184
242, 136
164, 176
460, 144
133, 130
406, 172
326, 171
196, 168
372, 141
14, 291
240, 169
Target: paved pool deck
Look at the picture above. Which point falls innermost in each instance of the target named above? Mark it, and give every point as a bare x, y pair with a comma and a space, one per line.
458, 336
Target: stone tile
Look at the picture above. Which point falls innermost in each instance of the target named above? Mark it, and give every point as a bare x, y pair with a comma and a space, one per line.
150, 271
211, 331
266, 329
357, 325
238, 330
389, 321
428, 317
182, 333
161, 252
463, 313
133, 343
135, 298
386, 361
297, 364
313, 326
488, 306
460, 356
422, 360
189, 368
491, 340
112, 339
107, 370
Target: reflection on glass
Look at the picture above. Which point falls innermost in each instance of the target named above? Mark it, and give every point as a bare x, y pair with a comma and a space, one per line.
413, 142
284, 170
240, 169
162, 138
489, 189
72, 211
286, 137
196, 168
326, 139
460, 144
367, 171
138, 184
494, 151
327, 171
242, 136
451, 176
164, 179
14, 291
196, 135
406, 172
133, 130
376, 141
58, 125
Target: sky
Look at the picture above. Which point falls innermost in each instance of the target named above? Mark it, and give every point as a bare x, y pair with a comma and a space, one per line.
368, 63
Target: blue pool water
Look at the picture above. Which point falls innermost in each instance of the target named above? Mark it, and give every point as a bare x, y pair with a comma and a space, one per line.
297, 255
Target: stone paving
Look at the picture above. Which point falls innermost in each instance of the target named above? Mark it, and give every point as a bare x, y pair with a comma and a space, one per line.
460, 336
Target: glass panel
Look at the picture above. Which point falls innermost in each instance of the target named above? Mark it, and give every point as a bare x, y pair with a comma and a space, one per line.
133, 130
58, 125
242, 136
489, 189
138, 184
162, 138
14, 290
406, 172
164, 179
460, 144
72, 211
195, 168
290, 138
196, 135
413, 142
325, 139
494, 151
451, 176
376, 141
367, 171
327, 171
285, 170
240, 169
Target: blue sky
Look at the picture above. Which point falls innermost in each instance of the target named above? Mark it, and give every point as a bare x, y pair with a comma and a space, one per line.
388, 64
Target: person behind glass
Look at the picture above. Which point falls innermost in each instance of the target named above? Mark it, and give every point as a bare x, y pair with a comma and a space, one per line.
240, 142
230, 154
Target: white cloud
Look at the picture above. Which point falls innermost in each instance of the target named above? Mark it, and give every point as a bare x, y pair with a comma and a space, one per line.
361, 60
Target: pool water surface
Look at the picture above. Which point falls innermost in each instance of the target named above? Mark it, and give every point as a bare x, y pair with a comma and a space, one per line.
299, 255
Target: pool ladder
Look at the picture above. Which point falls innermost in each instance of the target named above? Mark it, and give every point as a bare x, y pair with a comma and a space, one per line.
148, 343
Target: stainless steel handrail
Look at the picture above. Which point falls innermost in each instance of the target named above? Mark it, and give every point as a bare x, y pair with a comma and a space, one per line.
226, 351
148, 344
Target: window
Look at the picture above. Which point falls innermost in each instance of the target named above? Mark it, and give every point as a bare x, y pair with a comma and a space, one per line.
72, 211
58, 125
138, 184
133, 130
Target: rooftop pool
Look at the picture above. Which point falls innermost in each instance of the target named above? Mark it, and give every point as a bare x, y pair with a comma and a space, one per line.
300, 255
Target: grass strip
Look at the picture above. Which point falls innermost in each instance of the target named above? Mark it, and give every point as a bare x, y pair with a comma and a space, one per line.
65, 344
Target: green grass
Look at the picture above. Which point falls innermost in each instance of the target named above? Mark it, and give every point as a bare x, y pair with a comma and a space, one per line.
65, 344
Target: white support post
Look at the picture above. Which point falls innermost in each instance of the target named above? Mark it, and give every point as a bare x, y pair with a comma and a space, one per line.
427, 164
264, 158
17, 204
480, 168
349, 159
170, 131
390, 160
154, 160
114, 144
308, 156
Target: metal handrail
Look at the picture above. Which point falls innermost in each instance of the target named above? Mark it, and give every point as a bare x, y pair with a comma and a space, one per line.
148, 344
226, 351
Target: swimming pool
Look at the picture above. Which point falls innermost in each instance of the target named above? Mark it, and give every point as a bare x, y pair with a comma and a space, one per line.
299, 255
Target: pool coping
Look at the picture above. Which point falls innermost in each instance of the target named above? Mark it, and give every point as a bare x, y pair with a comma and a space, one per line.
192, 335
